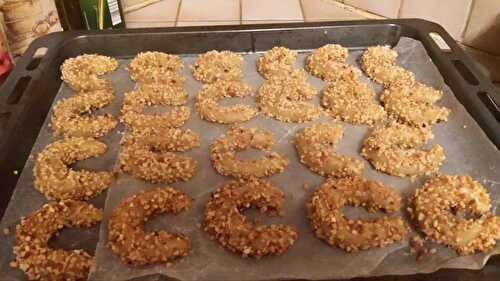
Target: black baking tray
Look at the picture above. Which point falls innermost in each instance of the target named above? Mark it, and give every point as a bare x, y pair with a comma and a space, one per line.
27, 94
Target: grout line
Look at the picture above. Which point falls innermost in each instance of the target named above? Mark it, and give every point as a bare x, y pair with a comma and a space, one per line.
400, 10
178, 13
302, 10
467, 20
241, 11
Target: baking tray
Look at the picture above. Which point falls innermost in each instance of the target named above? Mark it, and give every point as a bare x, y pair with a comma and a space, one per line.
454, 66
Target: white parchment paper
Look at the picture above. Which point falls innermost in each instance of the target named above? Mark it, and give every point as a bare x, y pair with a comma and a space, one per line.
467, 148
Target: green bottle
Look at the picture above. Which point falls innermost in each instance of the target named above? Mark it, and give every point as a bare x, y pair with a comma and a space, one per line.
90, 14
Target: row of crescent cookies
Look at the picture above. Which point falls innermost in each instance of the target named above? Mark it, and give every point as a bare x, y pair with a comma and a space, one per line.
66, 188
395, 147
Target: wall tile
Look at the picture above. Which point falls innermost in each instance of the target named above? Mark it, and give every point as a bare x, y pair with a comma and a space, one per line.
206, 23
483, 30
386, 8
274, 10
322, 10
451, 14
268, 21
163, 11
210, 10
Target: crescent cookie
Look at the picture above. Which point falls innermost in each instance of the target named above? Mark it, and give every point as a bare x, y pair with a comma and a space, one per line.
397, 150
315, 146
435, 210
32, 252
225, 222
149, 154
127, 237
223, 154
56, 180
81, 73
332, 226
209, 96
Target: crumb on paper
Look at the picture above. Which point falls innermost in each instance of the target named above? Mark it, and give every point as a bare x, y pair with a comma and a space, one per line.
418, 249
465, 126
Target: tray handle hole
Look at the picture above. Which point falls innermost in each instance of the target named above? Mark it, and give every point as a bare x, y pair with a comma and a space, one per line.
18, 91
440, 42
37, 58
465, 72
490, 103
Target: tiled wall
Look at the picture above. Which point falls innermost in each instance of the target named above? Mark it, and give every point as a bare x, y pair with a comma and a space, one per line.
476, 23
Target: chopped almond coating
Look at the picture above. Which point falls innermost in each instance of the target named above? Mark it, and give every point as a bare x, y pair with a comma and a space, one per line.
328, 63
71, 116
223, 154
56, 180
209, 96
135, 103
32, 252
287, 98
214, 65
278, 61
81, 73
148, 154
397, 150
225, 222
414, 105
436, 210
315, 146
156, 67
352, 101
379, 63
127, 237
330, 225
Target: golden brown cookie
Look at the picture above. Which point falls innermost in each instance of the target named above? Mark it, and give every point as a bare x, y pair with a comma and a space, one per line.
315, 145
32, 252
223, 154
149, 154
82, 72
225, 222
214, 65
71, 116
330, 225
398, 150
436, 210
56, 180
287, 98
209, 96
127, 237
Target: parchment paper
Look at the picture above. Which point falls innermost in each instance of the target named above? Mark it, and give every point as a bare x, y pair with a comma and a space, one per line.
467, 148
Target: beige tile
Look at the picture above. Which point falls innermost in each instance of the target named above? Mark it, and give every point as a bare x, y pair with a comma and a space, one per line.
209, 10
163, 11
269, 21
127, 4
451, 14
386, 8
321, 10
483, 30
150, 24
273, 10
206, 23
